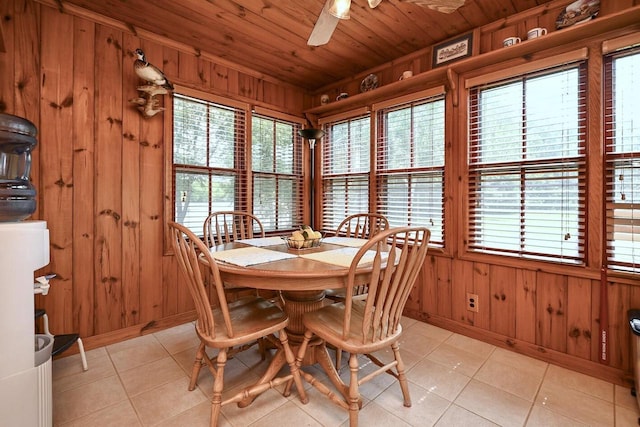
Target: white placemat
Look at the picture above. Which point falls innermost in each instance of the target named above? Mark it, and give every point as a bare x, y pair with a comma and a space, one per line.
341, 257
250, 255
263, 241
345, 241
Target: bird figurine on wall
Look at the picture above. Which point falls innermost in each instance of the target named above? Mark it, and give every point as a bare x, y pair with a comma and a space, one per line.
157, 84
150, 72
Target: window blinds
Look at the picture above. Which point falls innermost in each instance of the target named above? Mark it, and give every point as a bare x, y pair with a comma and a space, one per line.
410, 165
527, 165
622, 160
276, 153
208, 159
345, 169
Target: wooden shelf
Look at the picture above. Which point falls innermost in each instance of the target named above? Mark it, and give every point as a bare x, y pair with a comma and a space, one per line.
402, 87
615, 21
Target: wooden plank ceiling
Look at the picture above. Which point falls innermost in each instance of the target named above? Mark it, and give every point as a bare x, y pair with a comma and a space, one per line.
270, 36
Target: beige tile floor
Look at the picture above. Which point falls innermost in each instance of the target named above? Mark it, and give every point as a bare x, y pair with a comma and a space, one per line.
454, 381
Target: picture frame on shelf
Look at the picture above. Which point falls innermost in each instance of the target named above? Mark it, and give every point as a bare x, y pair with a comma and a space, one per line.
452, 50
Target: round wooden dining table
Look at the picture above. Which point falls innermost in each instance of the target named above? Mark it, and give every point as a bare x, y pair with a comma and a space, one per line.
301, 282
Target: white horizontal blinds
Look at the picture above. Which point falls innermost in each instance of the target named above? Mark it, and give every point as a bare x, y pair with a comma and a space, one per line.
622, 170
527, 165
276, 162
410, 165
208, 159
345, 169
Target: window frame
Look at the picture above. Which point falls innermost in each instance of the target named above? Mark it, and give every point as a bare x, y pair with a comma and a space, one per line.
436, 94
298, 167
612, 160
327, 222
571, 59
243, 164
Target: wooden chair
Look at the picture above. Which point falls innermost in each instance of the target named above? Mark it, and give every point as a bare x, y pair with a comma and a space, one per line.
231, 325
372, 324
360, 226
228, 226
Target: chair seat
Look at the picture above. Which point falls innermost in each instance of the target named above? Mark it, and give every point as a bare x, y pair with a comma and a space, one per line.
253, 317
62, 342
328, 322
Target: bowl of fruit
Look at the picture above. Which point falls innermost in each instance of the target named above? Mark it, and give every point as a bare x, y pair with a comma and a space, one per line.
304, 238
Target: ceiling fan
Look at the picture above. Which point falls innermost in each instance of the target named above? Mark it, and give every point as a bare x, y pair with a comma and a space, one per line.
335, 10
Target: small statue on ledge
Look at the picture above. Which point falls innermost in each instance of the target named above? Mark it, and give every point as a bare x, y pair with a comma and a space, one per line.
158, 84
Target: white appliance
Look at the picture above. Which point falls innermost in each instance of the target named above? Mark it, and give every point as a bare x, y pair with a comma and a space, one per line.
25, 385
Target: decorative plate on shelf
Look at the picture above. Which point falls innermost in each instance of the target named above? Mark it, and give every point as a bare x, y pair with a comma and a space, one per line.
578, 12
369, 83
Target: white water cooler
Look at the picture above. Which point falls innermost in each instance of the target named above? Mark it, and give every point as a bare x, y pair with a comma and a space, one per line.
25, 367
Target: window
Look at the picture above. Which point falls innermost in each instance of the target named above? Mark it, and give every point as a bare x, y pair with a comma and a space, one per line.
410, 165
276, 155
622, 160
527, 165
211, 163
345, 169
208, 159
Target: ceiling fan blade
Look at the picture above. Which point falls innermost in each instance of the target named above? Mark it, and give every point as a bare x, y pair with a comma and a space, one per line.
444, 6
324, 28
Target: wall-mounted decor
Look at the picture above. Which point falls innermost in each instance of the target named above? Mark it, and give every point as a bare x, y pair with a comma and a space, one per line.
578, 12
158, 84
452, 50
369, 83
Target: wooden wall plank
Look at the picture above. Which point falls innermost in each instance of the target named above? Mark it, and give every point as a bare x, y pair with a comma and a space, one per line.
551, 311
619, 337
27, 83
151, 206
7, 69
131, 186
430, 293
204, 72
443, 284
526, 305
220, 77
109, 313
461, 280
23, 88
579, 331
56, 162
187, 68
482, 288
595, 320
83, 176
503, 300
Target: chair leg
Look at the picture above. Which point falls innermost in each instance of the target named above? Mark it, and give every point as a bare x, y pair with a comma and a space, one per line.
402, 378
354, 393
338, 358
83, 356
293, 366
262, 348
197, 365
218, 383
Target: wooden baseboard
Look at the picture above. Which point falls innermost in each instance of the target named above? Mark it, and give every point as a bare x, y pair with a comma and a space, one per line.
594, 369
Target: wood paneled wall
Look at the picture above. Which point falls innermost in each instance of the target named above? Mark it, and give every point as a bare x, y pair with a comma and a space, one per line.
99, 167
